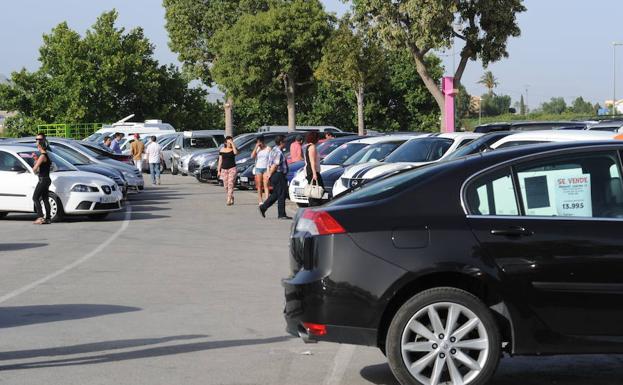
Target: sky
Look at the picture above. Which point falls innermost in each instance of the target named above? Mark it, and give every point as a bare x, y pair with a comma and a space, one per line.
565, 48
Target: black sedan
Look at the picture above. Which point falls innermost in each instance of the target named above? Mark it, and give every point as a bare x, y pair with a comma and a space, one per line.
447, 266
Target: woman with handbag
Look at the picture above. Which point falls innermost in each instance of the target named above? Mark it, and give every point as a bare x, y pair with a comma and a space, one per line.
315, 185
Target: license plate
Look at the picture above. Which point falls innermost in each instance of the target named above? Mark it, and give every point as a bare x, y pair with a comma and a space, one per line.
108, 199
299, 191
244, 178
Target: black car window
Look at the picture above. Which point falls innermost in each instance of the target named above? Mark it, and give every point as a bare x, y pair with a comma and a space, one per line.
345, 151
420, 150
492, 194
584, 185
8, 162
478, 145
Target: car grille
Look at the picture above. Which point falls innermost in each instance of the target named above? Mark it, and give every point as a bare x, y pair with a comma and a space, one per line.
84, 205
106, 206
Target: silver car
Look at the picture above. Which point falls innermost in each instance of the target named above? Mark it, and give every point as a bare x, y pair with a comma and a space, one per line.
190, 142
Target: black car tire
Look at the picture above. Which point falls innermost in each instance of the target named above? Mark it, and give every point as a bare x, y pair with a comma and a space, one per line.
3, 214
433, 296
200, 179
98, 217
59, 208
173, 167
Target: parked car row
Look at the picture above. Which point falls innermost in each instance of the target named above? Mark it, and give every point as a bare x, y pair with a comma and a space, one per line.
86, 179
509, 243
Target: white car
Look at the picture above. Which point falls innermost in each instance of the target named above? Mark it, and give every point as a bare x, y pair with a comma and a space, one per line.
416, 152
546, 136
343, 154
72, 192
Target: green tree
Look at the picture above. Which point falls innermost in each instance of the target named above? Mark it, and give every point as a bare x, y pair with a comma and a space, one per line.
580, 106
463, 103
522, 106
192, 24
106, 74
353, 59
493, 105
555, 106
424, 26
489, 81
276, 48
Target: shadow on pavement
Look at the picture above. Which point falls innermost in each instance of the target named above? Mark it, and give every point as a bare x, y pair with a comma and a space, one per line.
92, 347
560, 370
29, 315
140, 208
20, 246
145, 353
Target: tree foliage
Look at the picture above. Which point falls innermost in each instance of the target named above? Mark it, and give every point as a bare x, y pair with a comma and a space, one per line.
493, 105
489, 81
422, 26
580, 106
354, 60
554, 106
107, 74
276, 48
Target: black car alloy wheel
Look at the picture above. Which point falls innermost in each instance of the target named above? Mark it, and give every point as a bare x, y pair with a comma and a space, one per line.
443, 336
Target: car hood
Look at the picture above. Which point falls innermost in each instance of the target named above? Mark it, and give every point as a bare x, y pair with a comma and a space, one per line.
101, 170
83, 177
375, 170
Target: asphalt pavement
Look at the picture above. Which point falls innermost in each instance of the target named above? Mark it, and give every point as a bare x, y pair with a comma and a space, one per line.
181, 289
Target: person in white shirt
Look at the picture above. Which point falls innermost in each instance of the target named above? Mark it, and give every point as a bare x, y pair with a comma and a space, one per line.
154, 156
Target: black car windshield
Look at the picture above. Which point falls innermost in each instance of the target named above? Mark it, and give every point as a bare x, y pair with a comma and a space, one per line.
479, 144
420, 150
58, 163
374, 152
94, 151
387, 187
70, 155
343, 152
325, 148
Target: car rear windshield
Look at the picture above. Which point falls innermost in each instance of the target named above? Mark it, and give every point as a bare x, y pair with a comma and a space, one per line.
72, 156
387, 187
205, 142
478, 145
375, 152
345, 151
420, 150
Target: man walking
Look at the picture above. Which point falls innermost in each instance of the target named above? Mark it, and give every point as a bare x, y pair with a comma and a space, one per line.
137, 148
154, 156
277, 171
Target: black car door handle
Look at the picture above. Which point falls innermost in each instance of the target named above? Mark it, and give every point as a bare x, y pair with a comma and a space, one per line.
512, 232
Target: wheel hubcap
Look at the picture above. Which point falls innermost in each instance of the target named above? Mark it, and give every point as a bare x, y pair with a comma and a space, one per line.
53, 207
445, 343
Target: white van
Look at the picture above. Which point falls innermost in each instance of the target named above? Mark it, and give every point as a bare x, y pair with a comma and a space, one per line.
153, 127
299, 128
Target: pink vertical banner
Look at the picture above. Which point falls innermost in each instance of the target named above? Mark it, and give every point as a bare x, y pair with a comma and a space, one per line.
448, 90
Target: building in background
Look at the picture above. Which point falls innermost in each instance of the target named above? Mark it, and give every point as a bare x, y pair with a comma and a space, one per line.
618, 104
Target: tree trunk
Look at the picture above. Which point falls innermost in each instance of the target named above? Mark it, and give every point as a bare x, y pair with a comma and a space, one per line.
229, 120
361, 129
289, 85
430, 83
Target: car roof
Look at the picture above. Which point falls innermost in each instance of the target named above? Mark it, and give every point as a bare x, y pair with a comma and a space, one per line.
15, 147
459, 135
608, 123
386, 138
200, 133
556, 136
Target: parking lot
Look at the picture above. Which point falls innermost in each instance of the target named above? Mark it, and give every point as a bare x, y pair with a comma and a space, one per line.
180, 289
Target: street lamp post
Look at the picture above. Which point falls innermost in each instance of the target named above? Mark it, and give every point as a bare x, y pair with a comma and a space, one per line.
614, 76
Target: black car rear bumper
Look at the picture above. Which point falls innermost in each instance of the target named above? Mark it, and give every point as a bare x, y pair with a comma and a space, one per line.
326, 293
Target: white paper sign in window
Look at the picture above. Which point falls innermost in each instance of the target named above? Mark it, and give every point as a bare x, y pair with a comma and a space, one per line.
565, 192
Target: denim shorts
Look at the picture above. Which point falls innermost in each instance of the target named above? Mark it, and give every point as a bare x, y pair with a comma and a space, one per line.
260, 170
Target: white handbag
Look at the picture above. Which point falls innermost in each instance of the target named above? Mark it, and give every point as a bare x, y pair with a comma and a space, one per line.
313, 190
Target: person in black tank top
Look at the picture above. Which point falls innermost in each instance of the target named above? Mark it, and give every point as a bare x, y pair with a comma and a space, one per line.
41, 193
227, 168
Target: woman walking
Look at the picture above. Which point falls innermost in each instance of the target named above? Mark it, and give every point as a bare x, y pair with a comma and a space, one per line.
227, 168
42, 190
260, 153
312, 164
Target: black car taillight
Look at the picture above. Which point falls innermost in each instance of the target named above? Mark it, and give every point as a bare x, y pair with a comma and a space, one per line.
318, 222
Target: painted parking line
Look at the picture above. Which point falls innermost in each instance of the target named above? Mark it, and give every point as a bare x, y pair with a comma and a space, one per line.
78, 262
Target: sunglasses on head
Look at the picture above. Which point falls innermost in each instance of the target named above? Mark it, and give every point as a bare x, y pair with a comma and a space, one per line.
39, 139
